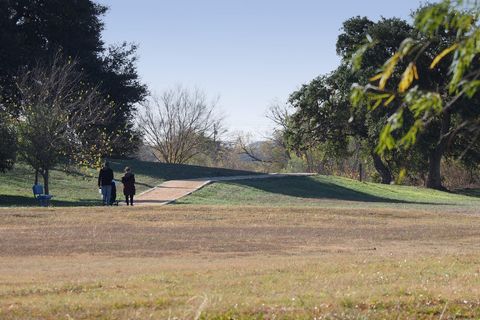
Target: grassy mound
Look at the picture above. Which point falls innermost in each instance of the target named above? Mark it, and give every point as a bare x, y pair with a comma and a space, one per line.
80, 188
322, 190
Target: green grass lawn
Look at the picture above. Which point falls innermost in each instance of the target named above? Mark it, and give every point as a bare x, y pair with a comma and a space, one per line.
80, 188
325, 190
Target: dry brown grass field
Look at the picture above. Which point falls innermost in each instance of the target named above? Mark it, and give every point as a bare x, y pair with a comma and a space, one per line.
222, 262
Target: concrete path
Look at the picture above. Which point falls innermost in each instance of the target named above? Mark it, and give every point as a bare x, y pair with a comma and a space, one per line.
172, 190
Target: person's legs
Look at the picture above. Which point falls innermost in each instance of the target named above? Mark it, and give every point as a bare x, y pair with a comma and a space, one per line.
126, 199
108, 196
131, 199
104, 195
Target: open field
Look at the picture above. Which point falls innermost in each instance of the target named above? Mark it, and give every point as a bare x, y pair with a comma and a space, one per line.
286, 248
221, 262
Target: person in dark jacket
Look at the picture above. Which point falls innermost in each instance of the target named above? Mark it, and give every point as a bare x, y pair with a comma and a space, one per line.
105, 178
128, 181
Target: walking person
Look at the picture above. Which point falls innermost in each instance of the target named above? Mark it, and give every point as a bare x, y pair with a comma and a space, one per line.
128, 181
105, 178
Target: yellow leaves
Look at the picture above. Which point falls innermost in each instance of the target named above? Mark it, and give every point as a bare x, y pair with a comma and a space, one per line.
415, 72
360, 95
378, 98
408, 76
386, 98
388, 70
389, 67
401, 176
376, 77
389, 100
442, 54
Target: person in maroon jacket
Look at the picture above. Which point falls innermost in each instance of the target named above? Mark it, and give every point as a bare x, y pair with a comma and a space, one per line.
128, 181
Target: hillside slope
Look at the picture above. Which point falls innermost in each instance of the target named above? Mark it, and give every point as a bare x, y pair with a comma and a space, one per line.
324, 190
80, 188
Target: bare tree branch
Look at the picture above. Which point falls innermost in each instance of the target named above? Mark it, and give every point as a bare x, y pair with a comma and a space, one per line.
178, 123
60, 117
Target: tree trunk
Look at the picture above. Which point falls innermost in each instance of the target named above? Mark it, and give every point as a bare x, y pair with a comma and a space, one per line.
382, 169
45, 181
434, 178
36, 176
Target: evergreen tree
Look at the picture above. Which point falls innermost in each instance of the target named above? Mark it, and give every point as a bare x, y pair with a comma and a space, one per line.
7, 145
36, 30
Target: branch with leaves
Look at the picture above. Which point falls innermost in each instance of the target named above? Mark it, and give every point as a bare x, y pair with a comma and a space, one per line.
61, 118
457, 18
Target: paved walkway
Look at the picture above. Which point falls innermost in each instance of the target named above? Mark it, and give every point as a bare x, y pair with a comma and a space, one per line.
172, 190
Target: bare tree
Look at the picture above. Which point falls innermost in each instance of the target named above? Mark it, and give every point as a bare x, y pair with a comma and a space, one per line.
253, 151
269, 153
279, 114
179, 123
60, 118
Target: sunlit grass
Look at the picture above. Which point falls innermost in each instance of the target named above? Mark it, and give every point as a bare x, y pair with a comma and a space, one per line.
345, 286
80, 187
323, 190
222, 262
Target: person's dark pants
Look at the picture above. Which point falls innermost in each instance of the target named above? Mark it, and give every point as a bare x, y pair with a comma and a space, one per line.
106, 194
129, 199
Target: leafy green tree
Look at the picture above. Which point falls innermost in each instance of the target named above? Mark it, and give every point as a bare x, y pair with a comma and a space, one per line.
7, 145
435, 97
323, 110
35, 30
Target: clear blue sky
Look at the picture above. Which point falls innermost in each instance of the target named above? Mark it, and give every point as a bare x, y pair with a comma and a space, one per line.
248, 52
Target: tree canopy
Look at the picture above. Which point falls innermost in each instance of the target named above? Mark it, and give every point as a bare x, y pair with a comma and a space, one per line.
36, 30
436, 95
323, 110
7, 144
62, 119
330, 113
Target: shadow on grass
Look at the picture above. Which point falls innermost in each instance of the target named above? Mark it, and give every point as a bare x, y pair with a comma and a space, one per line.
471, 192
308, 187
22, 177
23, 201
165, 171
